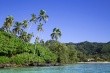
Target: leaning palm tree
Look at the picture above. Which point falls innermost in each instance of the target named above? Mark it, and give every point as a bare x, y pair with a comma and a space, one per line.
8, 23
33, 19
56, 34
17, 28
42, 16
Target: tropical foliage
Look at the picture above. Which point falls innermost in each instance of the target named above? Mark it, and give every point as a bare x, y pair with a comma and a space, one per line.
92, 50
15, 46
56, 34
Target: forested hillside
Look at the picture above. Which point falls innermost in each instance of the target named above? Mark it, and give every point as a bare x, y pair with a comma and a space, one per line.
93, 50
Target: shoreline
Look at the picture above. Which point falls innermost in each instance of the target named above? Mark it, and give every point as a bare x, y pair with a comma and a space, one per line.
27, 65
44, 65
92, 62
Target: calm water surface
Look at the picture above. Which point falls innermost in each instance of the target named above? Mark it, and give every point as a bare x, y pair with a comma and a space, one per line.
75, 68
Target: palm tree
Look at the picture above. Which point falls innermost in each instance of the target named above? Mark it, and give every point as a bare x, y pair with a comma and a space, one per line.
29, 36
26, 37
39, 28
17, 28
8, 23
43, 16
25, 24
23, 36
35, 43
33, 18
56, 34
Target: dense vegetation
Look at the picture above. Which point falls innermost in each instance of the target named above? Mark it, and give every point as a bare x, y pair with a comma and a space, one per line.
16, 49
92, 51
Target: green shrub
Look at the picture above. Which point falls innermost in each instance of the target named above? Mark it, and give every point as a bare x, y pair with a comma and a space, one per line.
46, 54
61, 50
26, 58
4, 60
65, 54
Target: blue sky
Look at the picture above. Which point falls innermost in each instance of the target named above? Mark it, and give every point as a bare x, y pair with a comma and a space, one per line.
79, 20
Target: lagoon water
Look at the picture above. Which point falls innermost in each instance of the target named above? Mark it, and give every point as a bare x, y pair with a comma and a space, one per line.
75, 68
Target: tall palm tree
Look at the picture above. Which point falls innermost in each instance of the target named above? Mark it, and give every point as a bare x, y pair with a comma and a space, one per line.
8, 23
39, 29
56, 34
35, 43
33, 19
43, 16
17, 28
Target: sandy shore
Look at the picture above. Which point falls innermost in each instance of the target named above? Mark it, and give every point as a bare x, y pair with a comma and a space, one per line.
93, 62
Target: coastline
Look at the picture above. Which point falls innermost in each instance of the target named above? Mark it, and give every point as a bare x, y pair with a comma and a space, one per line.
92, 62
43, 65
28, 65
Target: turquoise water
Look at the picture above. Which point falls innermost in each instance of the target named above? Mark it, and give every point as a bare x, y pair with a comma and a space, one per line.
75, 68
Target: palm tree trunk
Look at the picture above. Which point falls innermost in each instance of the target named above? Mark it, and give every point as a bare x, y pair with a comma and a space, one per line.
29, 28
35, 44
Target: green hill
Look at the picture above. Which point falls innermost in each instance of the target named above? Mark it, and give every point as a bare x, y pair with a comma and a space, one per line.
14, 51
93, 50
